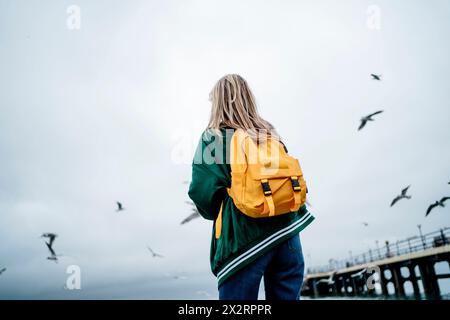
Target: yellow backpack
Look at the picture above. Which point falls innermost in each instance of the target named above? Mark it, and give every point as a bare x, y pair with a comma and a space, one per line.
265, 180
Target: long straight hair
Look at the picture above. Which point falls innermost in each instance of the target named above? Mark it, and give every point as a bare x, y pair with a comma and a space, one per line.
234, 106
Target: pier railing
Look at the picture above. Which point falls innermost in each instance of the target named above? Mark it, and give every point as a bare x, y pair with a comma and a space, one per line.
410, 245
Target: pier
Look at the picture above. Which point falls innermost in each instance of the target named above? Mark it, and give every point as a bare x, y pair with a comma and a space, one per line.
386, 270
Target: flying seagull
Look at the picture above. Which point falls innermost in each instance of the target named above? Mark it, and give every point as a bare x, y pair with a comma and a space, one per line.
403, 195
359, 274
194, 213
365, 224
154, 254
329, 280
190, 217
368, 118
119, 206
376, 76
2, 270
51, 237
439, 203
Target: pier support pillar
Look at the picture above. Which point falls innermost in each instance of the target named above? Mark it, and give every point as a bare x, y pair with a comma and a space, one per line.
348, 283
414, 280
429, 279
314, 288
334, 287
383, 283
342, 286
398, 280
354, 286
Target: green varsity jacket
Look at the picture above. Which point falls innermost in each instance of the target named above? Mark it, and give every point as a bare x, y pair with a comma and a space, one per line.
243, 239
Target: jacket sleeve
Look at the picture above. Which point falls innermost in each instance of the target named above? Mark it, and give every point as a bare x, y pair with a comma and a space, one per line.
210, 176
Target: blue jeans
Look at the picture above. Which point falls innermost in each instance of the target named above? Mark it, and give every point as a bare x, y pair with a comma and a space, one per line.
282, 268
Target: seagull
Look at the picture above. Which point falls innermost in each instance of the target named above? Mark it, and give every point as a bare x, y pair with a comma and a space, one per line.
403, 195
51, 237
367, 118
365, 224
329, 280
2, 270
119, 206
186, 182
190, 217
439, 203
194, 214
154, 254
359, 274
376, 76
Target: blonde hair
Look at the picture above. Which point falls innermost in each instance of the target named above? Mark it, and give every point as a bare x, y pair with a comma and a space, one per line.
234, 106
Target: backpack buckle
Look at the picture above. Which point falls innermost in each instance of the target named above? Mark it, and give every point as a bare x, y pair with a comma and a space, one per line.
266, 187
295, 184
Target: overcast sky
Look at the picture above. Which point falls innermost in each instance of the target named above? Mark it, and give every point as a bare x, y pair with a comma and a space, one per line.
113, 110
